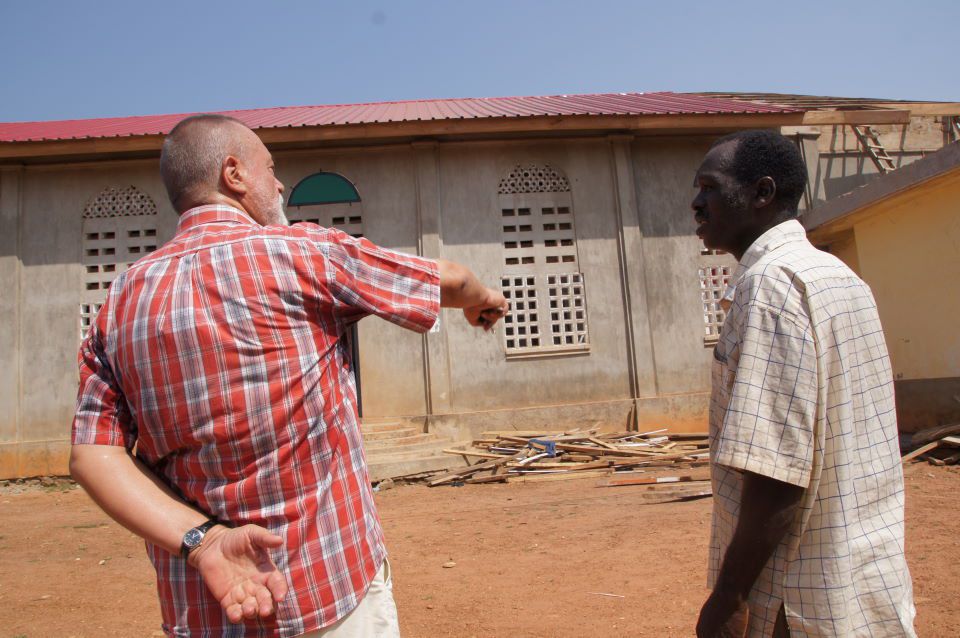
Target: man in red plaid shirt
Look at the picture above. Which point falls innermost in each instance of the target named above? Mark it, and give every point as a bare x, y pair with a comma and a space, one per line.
217, 414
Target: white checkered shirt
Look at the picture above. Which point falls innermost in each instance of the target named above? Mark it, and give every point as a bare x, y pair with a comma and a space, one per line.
803, 393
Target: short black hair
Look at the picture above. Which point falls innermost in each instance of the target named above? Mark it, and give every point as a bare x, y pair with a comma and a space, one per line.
766, 153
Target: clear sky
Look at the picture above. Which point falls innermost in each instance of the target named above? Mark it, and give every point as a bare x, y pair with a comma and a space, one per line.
77, 59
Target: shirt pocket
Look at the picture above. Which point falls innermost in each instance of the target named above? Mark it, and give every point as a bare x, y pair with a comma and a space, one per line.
721, 374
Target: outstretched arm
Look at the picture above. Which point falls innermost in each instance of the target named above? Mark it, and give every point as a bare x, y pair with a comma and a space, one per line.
768, 508
460, 288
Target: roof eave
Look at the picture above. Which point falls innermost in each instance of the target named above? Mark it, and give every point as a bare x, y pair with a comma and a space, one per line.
61, 150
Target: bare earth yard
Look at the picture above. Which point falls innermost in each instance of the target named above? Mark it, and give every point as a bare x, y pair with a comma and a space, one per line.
532, 559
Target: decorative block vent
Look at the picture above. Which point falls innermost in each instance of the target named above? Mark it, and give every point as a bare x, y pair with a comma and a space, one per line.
345, 217
533, 178
538, 236
88, 314
119, 227
714, 272
521, 328
120, 202
568, 310
110, 246
704, 251
713, 283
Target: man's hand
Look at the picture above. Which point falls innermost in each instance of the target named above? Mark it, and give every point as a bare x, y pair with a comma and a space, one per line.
238, 571
460, 288
723, 616
768, 508
488, 313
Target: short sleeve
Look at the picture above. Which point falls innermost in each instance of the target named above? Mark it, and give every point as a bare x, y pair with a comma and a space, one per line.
365, 279
768, 427
102, 416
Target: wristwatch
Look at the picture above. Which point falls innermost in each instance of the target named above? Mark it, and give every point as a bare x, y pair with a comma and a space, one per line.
194, 536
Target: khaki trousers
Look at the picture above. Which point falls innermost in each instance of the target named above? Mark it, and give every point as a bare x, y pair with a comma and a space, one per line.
374, 617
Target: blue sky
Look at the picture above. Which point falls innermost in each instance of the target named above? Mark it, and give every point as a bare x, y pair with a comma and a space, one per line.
77, 59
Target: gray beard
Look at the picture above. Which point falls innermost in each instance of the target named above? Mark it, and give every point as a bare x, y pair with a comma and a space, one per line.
277, 216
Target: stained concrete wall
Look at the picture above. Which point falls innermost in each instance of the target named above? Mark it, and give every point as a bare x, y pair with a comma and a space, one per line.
481, 378
646, 362
10, 189
46, 275
665, 170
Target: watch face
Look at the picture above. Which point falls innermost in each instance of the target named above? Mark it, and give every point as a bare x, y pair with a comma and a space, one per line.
192, 538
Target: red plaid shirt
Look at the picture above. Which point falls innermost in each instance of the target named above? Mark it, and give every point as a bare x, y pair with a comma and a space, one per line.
220, 356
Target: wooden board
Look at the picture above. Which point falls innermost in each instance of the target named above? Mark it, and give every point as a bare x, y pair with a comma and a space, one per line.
482, 455
563, 476
920, 450
473, 469
652, 480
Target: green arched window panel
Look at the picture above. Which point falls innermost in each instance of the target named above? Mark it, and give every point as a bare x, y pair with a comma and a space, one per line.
323, 188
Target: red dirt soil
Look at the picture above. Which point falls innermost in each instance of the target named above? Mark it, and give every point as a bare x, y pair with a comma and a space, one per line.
532, 559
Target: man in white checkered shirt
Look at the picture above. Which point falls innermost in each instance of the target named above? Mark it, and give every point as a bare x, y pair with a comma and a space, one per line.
808, 532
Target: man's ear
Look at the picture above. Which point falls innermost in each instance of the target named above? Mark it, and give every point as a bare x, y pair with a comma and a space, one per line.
232, 174
766, 192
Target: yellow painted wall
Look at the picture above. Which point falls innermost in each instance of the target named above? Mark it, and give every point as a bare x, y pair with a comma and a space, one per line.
844, 247
908, 250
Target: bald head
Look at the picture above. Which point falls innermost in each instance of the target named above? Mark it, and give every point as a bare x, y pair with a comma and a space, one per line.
193, 156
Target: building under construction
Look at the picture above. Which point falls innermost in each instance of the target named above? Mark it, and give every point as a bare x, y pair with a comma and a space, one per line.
576, 205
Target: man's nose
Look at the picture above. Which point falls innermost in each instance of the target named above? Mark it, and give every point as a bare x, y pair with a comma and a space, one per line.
280, 187
697, 203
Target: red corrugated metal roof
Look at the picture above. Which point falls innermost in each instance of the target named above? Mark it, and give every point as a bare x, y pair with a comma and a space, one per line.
663, 103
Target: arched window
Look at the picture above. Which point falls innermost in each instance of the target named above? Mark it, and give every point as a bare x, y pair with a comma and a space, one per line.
119, 227
327, 199
541, 273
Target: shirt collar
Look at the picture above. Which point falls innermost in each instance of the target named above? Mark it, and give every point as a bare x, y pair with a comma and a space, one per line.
783, 233
213, 214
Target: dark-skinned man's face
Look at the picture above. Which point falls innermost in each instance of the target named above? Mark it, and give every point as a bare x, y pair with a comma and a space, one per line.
722, 210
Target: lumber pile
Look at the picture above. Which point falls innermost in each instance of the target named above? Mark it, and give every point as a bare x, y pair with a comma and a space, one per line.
937, 446
516, 456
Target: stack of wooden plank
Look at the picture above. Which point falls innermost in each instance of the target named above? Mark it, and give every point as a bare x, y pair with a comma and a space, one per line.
517, 456
938, 446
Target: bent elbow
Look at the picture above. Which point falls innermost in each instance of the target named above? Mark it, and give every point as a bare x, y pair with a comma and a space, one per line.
77, 464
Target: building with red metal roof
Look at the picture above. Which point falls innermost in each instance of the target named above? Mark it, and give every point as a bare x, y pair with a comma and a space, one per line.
577, 206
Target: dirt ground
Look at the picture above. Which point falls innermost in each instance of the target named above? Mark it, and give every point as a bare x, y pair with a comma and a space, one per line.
562, 558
